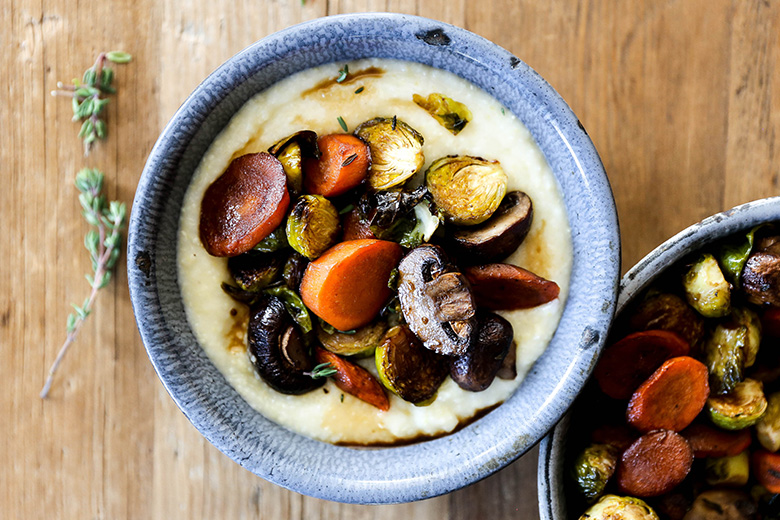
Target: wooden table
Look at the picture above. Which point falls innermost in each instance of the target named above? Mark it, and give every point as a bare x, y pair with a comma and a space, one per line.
682, 99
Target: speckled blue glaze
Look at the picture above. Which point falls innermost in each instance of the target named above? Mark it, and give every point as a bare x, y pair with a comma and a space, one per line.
386, 475
550, 475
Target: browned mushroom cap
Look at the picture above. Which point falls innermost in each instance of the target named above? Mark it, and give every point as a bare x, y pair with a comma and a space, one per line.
436, 301
276, 349
761, 277
476, 369
497, 237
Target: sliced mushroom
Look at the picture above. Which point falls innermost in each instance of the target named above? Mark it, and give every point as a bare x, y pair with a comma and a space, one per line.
497, 237
761, 277
436, 301
276, 348
476, 369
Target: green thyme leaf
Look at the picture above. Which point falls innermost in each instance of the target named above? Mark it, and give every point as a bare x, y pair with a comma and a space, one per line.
361, 89
118, 57
343, 73
342, 123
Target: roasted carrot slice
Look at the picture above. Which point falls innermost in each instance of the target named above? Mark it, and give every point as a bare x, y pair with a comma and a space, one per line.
354, 379
628, 363
766, 468
671, 398
707, 441
347, 285
244, 205
505, 287
654, 464
355, 227
343, 164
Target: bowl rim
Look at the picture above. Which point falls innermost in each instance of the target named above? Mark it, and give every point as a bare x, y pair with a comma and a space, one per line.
489, 451
550, 471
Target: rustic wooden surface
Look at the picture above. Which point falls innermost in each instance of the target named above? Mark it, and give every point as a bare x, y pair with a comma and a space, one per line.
682, 99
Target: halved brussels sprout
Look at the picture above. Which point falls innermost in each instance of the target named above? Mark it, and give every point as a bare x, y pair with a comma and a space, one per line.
274, 242
451, 114
728, 471
613, 507
290, 151
724, 356
408, 369
752, 322
733, 256
740, 408
252, 271
293, 271
706, 288
593, 468
313, 225
467, 189
362, 342
768, 428
396, 151
668, 311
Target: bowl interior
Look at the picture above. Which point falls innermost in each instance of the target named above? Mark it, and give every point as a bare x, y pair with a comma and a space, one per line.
390, 474
552, 454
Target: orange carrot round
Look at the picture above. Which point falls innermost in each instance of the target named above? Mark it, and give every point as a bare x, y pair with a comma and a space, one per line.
354, 379
243, 205
505, 287
766, 468
707, 441
654, 464
671, 398
347, 285
629, 362
343, 164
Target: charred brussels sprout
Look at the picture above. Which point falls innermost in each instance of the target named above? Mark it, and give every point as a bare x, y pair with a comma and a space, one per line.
768, 428
593, 468
740, 408
707, 289
467, 189
290, 151
396, 151
667, 311
293, 271
750, 320
408, 369
728, 471
294, 306
274, 242
613, 507
725, 504
725, 358
362, 342
451, 114
313, 225
253, 271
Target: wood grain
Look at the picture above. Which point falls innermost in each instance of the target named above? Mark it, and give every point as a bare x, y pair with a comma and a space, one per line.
682, 99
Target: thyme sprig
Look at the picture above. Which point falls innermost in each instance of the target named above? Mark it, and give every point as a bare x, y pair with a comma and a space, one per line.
103, 242
88, 96
321, 371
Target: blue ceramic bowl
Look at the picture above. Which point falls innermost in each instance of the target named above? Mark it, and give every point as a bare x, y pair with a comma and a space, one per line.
396, 474
551, 475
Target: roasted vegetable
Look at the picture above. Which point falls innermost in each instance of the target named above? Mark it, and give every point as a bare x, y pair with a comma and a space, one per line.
294, 306
243, 205
725, 357
507, 287
741, 408
313, 225
667, 311
752, 323
467, 189
613, 507
728, 471
347, 286
766, 468
732, 256
342, 165
408, 369
708, 441
592, 470
276, 348
436, 300
451, 114
476, 369
768, 428
655, 464
722, 504
497, 237
354, 379
384, 208
252, 271
361, 342
274, 242
761, 278
706, 288
396, 151
293, 270
291, 151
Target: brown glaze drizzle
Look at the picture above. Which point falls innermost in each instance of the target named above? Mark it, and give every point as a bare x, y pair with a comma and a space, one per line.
352, 77
236, 336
